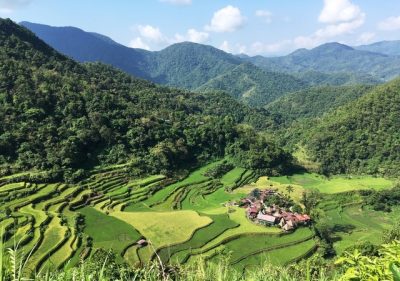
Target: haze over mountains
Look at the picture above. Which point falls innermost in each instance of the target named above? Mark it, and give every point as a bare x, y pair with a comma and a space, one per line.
253, 80
333, 58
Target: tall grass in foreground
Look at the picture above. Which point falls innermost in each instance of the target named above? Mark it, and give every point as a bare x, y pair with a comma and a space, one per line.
109, 270
103, 267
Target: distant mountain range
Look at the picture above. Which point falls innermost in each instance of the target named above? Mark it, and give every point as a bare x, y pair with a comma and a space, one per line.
334, 58
391, 48
254, 80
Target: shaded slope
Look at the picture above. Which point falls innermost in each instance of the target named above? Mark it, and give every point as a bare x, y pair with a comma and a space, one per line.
253, 85
361, 137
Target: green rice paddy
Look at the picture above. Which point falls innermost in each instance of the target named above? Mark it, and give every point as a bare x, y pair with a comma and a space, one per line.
183, 220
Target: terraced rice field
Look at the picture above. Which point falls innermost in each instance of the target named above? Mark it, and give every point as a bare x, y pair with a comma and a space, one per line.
334, 184
183, 219
355, 224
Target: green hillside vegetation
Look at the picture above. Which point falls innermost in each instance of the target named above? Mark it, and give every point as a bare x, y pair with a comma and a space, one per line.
315, 102
252, 85
315, 78
391, 48
335, 184
63, 117
360, 137
89, 216
188, 65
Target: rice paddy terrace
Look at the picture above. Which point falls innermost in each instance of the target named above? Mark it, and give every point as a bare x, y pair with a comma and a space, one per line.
57, 225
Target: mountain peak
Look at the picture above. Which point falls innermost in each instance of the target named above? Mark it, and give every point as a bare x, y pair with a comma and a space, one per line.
186, 45
333, 46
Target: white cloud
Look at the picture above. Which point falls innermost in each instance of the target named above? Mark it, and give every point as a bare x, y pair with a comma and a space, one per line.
390, 24
342, 18
178, 2
138, 43
241, 49
8, 6
225, 47
366, 37
339, 11
265, 15
192, 35
197, 36
261, 48
151, 33
334, 30
227, 19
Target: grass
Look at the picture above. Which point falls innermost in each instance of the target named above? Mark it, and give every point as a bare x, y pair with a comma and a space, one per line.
108, 232
60, 256
214, 200
131, 256
202, 236
162, 195
164, 228
11, 186
246, 245
203, 228
354, 224
230, 178
245, 226
19, 235
334, 184
266, 183
277, 257
53, 235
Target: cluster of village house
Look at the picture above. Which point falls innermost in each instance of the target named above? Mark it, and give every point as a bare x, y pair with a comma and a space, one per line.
258, 212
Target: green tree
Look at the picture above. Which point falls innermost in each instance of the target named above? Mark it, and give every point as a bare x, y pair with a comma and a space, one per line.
289, 189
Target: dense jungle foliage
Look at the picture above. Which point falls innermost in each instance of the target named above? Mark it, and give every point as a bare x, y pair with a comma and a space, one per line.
59, 115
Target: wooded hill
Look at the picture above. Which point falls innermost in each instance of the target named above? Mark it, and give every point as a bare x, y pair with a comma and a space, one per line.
315, 102
247, 83
195, 66
61, 116
363, 136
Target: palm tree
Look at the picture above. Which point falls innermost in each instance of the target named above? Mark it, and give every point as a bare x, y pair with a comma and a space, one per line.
289, 189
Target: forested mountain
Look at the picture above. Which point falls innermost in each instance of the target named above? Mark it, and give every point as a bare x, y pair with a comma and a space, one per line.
91, 47
184, 65
252, 85
315, 78
362, 136
189, 65
333, 58
391, 48
63, 117
315, 102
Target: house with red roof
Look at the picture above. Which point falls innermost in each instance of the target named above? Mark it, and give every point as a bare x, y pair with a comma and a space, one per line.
266, 219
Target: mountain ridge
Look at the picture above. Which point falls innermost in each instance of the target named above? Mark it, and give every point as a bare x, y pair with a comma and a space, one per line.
196, 66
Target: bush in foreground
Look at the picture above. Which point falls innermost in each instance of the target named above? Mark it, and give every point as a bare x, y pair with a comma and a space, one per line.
103, 267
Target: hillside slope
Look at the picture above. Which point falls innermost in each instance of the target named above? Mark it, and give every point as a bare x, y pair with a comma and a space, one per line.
57, 115
391, 48
91, 47
252, 85
315, 102
189, 65
361, 137
184, 65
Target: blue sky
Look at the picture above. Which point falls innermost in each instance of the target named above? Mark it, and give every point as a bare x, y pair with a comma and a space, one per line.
266, 27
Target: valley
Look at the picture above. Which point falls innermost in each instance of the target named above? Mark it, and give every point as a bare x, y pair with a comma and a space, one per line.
193, 163
181, 222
